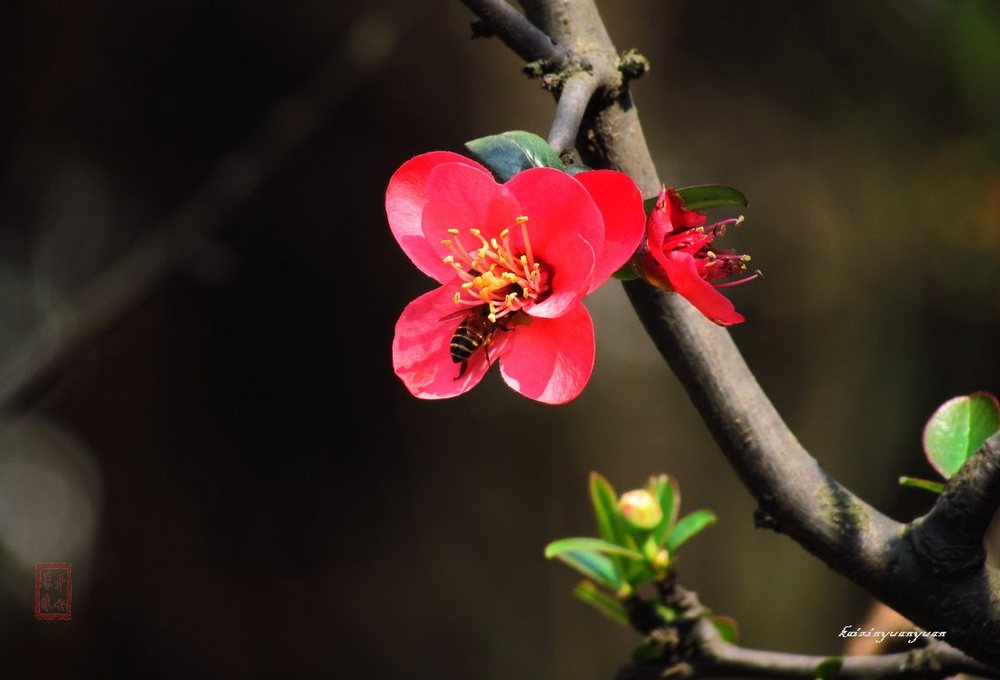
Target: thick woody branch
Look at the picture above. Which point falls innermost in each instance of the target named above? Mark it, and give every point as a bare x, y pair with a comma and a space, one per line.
794, 494
952, 532
517, 32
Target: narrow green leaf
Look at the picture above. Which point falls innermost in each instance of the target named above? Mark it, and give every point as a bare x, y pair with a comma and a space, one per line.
827, 669
705, 196
598, 545
609, 521
649, 204
587, 592
594, 566
925, 484
605, 502
958, 428
727, 627
665, 489
692, 524
508, 153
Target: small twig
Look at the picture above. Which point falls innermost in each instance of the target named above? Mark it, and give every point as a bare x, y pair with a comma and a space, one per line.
699, 651
576, 93
935, 660
517, 32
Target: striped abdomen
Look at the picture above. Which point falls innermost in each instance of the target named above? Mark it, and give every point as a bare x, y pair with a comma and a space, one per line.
474, 332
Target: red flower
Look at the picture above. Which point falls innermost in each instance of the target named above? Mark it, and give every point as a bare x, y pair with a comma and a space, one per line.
514, 261
678, 256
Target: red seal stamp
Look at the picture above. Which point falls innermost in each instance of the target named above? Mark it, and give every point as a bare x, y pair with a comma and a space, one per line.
54, 591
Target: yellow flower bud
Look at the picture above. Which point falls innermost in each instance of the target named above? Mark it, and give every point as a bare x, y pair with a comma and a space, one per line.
640, 509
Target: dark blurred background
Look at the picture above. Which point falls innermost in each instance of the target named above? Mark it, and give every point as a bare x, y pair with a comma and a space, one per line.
245, 489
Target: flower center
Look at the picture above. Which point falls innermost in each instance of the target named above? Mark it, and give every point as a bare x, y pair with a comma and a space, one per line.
712, 264
494, 274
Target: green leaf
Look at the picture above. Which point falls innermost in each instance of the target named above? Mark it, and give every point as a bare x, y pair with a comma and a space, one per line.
925, 484
508, 153
727, 627
692, 524
605, 502
609, 520
601, 601
598, 545
665, 490
958, 428
593, 565
668, 614
705, 196
827, 669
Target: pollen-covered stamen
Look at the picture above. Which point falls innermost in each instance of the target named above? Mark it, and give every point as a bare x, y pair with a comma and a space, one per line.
494, 273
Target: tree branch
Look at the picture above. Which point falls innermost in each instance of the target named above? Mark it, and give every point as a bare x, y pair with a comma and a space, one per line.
693, 648
795, 495
576, 93
952, 532
517, 32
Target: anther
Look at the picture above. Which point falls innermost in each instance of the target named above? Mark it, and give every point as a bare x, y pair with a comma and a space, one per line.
453, 232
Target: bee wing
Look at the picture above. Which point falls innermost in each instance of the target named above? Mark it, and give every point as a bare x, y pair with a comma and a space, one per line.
467, 311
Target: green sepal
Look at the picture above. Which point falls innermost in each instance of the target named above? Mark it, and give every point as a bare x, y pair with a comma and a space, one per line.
586, 591
827, 669
555, 548
925, 484
958, 428
508, 153
689, 526
594, 566
705, 196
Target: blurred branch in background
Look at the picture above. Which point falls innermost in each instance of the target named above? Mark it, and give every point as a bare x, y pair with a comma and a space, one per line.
187, 232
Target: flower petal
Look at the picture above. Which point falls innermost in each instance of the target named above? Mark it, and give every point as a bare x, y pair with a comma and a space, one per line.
682, 272
555, 203
405, 200
464, 197
421, 352
550, 360
620, 203
570, 261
